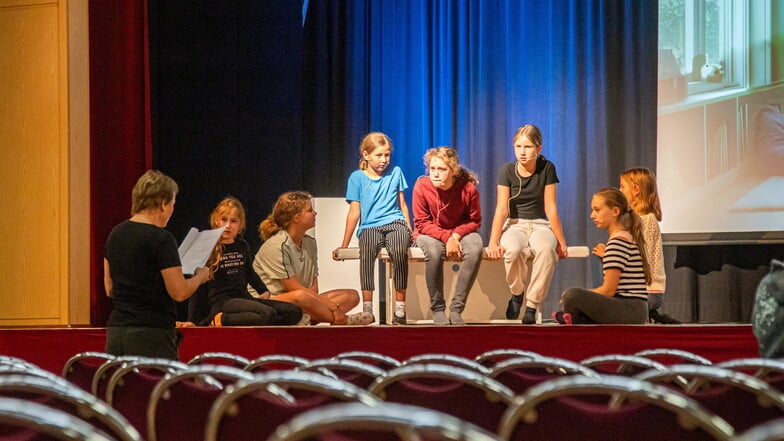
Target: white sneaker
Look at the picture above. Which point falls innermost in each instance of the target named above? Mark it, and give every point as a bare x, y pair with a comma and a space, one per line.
304, 321
360, 318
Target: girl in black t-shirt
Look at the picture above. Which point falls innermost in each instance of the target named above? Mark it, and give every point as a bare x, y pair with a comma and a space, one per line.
232, 264
526, 228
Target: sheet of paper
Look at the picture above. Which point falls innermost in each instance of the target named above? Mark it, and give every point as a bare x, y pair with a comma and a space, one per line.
196, 248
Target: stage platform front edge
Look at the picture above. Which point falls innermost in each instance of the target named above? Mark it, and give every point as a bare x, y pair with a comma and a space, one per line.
49, 348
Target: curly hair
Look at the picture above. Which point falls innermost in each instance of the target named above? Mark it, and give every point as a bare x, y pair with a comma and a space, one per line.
287, 206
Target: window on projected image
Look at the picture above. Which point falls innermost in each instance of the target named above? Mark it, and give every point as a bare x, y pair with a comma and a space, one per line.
695, 41
720, 154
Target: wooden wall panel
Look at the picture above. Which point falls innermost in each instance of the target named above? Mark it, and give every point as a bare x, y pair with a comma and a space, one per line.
34, 153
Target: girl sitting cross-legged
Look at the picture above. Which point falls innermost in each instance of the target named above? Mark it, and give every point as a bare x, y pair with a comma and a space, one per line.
622, 297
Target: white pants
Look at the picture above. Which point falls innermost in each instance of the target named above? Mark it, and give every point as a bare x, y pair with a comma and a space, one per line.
529, 258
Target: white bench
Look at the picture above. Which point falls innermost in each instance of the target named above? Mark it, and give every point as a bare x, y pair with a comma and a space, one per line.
486, 302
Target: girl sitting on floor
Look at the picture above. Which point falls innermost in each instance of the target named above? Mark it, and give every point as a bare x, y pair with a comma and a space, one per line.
622, 297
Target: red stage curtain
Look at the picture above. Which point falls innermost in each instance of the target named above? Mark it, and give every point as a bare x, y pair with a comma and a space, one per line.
120, 140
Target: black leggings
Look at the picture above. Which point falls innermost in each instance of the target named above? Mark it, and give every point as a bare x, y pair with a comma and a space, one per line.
259, 312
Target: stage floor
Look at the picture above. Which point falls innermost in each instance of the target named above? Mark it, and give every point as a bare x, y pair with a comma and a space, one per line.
49, 348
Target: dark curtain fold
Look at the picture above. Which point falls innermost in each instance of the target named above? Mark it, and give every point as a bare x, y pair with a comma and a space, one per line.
119, 126
467, 74
226, 104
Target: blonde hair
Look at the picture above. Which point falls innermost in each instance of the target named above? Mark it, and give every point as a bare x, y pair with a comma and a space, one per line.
225, 206
153, 189
645, 180
531, 132
450, 158
371, 142
614, 198
287, 206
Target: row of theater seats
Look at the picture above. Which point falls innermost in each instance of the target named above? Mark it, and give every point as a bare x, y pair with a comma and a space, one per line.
507, 394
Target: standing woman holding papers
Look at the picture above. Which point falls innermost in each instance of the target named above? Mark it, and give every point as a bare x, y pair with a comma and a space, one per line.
143, 274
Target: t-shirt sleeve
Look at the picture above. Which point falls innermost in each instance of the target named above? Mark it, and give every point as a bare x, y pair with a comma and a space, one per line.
252, 276
168, 255
551, 176
353, 187
269, 260
503, 176
402, 184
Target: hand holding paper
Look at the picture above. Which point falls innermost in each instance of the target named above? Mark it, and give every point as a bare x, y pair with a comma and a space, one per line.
196, 248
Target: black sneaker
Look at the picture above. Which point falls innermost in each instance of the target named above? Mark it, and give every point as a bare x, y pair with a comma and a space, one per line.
665, 319
529, 318
398, 320
513, 307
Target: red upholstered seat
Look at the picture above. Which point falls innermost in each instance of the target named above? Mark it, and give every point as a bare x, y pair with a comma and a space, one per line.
570, 408
460, 392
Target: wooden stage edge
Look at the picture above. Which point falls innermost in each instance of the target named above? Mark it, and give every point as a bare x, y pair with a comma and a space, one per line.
50, 347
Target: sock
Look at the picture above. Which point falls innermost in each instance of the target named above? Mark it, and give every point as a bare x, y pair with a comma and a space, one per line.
400, 308
367, 307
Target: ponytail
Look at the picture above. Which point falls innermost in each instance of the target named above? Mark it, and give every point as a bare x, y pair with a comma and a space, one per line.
268, 228
287, 206
633, 225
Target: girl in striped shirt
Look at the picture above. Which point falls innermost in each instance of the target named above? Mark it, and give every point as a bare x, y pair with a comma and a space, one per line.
623, 297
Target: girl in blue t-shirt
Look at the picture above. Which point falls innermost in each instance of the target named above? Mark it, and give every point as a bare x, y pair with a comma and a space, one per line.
376, 203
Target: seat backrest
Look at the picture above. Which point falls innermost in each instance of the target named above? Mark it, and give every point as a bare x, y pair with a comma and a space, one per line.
25, 420
104, 373
741, 399
30, 370
379, 360
492, 357
219, 358
355, 372
180, 403
447, 359
621, 364
131, 385
766, 369
460, 392
80, 368
608, 408
58, 393
519, 374
673, 356
278, 396
275, 362
767, 431
382, 422
8, 360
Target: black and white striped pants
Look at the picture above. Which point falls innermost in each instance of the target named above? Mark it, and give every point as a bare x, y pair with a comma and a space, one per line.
396, 237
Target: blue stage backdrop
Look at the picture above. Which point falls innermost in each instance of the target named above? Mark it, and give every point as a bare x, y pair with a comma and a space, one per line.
468, 74
253, 98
